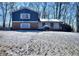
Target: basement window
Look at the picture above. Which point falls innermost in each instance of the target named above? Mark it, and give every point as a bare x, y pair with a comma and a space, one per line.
24, 16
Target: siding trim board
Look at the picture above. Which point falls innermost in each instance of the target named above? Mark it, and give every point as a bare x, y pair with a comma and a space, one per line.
26, 21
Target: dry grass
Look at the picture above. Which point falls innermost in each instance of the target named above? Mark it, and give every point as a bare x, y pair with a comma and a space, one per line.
47, 43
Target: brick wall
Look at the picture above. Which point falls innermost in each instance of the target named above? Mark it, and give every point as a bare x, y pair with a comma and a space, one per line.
16, 25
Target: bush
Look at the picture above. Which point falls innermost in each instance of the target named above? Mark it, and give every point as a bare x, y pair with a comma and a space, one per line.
67, 27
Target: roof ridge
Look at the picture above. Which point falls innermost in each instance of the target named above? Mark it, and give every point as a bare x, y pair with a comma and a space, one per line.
24, 8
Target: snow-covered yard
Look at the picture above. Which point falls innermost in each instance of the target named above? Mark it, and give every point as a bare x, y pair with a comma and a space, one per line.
18, 43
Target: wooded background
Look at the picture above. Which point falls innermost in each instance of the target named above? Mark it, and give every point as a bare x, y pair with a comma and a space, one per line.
66, 11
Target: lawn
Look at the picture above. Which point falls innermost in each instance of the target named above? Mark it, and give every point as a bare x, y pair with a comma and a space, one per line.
44, 43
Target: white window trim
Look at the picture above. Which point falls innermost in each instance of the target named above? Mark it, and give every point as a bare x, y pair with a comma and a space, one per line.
28, 15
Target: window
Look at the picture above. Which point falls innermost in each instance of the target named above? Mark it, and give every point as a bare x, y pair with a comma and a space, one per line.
56, 26
24, 25
24, 16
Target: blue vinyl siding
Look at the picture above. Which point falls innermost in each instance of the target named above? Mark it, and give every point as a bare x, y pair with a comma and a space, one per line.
33, 15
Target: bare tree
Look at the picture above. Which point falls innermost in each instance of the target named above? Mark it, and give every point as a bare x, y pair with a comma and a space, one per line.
64, 12
58, 6
56, 10
44, 5
4, 12
77, 16
11, 8
4, 8
59, 12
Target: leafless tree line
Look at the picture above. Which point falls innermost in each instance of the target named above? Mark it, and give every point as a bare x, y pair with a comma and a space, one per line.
66, 11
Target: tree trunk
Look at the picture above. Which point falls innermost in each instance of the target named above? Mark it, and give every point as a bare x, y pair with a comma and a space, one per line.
10, 21
59, 16
44, 10
77, 17
56, 16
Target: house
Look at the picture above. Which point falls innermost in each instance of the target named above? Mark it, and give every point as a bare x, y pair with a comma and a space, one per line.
51, 24
24, 19
29, 19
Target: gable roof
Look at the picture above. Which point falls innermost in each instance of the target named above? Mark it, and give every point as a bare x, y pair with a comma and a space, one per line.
33, 17
23, 9
51, 20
